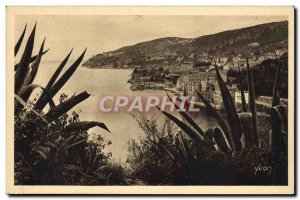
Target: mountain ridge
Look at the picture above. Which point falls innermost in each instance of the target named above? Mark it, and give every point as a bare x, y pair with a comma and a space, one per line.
256, 39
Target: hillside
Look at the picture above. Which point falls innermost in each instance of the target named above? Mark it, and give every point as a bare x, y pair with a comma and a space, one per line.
255, 39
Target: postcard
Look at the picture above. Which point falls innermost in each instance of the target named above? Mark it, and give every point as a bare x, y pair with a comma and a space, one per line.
150, 100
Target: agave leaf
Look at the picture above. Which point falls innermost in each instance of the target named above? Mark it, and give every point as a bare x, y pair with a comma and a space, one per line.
41, 103
18, 45
24, 62
252, 105
32, 59
66, 76
185, 142
27, 91
232, 116
244, 105
277, 87
85, 125
170, 90
278, 116
220, 140
221, 121
58, 70
188, 119
190, 132
283, 110
60, 83
184, 146
64, 107
285, 142
29, 79
209, 134
247, 126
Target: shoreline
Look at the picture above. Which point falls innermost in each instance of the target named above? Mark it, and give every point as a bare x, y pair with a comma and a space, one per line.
88, 67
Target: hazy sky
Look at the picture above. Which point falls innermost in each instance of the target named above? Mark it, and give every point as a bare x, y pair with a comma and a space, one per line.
106, 33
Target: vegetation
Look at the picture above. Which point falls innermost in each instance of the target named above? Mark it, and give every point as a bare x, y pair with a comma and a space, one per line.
264, 74
54, 147
230, 154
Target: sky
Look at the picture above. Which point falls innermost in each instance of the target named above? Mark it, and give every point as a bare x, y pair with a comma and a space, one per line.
106, 33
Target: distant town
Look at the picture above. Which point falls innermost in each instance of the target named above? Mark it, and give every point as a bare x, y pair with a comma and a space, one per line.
186, 76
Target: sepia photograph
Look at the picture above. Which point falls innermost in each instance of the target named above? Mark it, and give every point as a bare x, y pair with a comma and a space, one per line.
150, 100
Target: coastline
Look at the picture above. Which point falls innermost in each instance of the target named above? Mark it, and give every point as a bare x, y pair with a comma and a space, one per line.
106, 67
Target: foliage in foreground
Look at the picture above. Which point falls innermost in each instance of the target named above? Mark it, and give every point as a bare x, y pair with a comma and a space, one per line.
165, 158
56, 154
54, 148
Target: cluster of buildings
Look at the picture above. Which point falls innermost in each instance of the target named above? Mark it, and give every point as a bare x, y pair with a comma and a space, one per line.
152, 77
186, 79
206, 83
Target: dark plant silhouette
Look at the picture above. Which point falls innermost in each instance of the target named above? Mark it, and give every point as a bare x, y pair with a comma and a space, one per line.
51, 146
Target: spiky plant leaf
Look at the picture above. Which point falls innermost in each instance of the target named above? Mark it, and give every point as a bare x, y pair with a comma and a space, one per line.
34, 69
66, 76
252, 104
183, 146
283, 109
24, 62
278, 124
188, 118
18, 45
247, 126
220, 140
27, 91
244, 105
58, 70
232, 116
85, 125
185, 128
209, 135
64, 107
221, 121
277, 86
41, 103
32, 59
